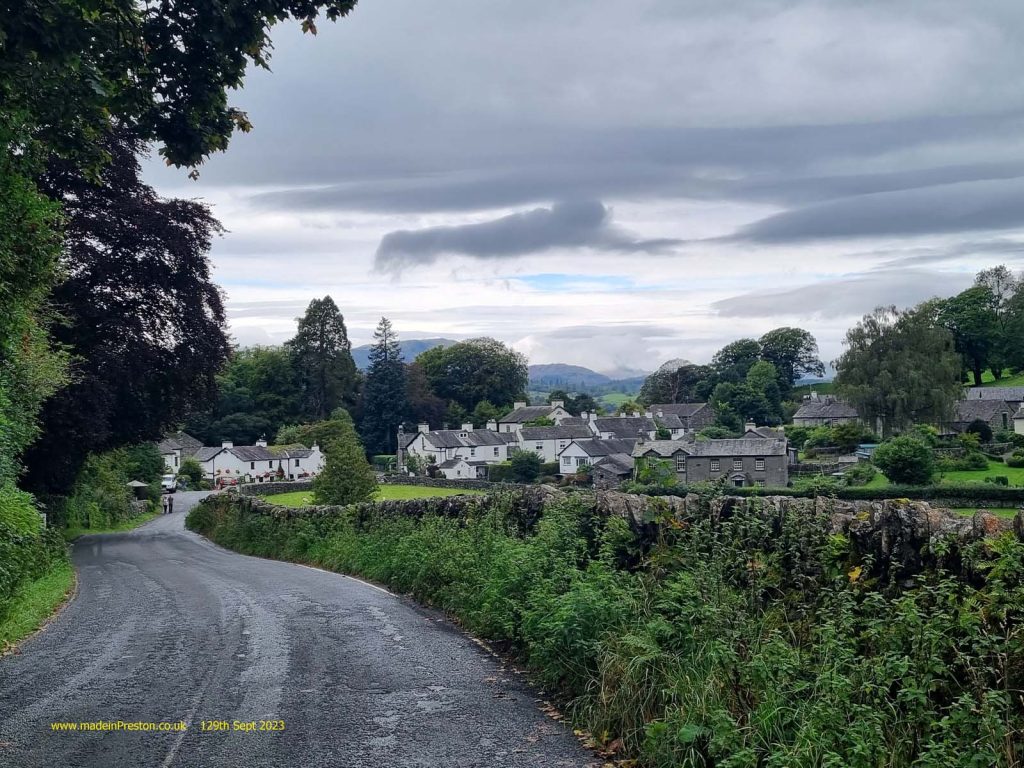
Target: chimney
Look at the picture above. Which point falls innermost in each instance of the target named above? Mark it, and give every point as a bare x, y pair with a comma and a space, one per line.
227, 444
492, 425
640, 437
749, 426
467, 427
661, 413
558, 403
423, 428
519, 404
262, 442
648, 414
814, 395
584, 415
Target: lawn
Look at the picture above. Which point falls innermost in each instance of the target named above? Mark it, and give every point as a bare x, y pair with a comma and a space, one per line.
614, 399
34, 602
987, 380
384, 493
1014, 474
124, 525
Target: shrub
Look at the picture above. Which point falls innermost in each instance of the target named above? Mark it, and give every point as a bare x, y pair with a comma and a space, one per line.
1016, 461
347, 478
192, 471
550, 468
906, 459
817, 485
525, 465
500, 473
998, 480
861, 473
972, 461
797, 436
981, 429
27, 550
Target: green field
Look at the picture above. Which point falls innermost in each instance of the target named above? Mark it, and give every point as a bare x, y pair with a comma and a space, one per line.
614, 399
1014, 474
987, 380
384, 493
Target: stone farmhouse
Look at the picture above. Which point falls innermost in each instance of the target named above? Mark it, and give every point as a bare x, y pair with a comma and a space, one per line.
744, 462
824, 411
588, 451
998, 414
693, 417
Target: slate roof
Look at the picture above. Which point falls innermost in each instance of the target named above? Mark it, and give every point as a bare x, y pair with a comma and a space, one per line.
205, 454
527, 413
826, 409
745, 446
254, 453
595, 446
182, 441
554, 433
451, 438
625, 427
1008, 394
971, 410
669, 421
617, 464
574, 421
682, 410
768, 432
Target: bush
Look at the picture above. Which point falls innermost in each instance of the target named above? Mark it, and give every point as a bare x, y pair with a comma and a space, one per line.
27, 550
981, 429
972, 461
347, 478
192, 472
525, 465
1016, 460
861, 473
998, 480
906, 460
500, 473
550, 468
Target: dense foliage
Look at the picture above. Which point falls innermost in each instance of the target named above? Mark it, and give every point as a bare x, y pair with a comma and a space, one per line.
384, 406
475, 370
750, 639
347, 478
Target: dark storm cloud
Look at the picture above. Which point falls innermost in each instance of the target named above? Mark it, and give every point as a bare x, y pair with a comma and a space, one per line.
963, 207
849, 296
566, 225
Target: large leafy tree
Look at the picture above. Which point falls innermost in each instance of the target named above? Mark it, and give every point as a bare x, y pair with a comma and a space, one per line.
756, 399
899, 367
424, 406
972, 318
139, 314
1007, 290
793, 352
685, 384
384, 405
322, 359
478, 369
734, 360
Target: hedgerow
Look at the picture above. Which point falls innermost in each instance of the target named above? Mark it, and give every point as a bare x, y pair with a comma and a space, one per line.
27, 550
741, 641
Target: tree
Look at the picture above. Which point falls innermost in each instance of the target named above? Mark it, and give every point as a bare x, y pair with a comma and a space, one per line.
794, 353
734, 360
525, 466
139, 310
629, 407
905, 460
485, 412
322, 359
756, 399
347, 477
192, 471
980, 428
1007, 291
384, 406
424, 406
972, 319
478, 369
686, 384
583, 403
898, 368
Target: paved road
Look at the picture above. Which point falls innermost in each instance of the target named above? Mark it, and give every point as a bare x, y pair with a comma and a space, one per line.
168, 627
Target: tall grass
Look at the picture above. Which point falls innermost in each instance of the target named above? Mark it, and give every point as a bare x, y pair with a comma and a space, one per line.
757, 640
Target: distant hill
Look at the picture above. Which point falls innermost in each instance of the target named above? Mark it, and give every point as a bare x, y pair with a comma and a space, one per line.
410, 349
572, 378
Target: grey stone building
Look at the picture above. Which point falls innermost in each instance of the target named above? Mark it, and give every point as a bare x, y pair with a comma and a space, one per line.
743, 462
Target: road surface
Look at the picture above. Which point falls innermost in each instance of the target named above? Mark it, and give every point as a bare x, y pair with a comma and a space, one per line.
168, 628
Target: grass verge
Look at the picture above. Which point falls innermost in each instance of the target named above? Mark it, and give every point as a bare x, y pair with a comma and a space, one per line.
35, 602
124, 525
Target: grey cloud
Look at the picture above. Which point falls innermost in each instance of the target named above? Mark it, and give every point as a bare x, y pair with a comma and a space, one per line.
850, 296
565, 225
967, 206
1011, 251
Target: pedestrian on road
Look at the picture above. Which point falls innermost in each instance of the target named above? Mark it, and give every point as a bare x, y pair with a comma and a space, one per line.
163, 503
170, 503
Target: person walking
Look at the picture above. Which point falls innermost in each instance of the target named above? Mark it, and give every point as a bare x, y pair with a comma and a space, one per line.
170, 503
163, 503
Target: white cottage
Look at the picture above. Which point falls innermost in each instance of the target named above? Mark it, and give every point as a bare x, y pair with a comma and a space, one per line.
255, 463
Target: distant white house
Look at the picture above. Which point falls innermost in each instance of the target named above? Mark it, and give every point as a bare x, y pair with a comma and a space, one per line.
522, 413
547, 442
254, 463
174, 449
585, 452
439, 445
463, 469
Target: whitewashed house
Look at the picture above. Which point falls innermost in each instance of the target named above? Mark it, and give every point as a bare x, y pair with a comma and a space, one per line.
463, 469
584, 452
256, 463
522, 413
548, 442
174, 449
440, 445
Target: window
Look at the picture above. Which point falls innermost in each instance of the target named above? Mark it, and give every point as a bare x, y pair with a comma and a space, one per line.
539, 447
714, 465
566, 461
582, 461
737, 464
270, 464
760, 483
176, 455
739, 483
472, 451
759, 464
495, 451
296, 462
1005, 424
680, 463
252, 465
562, 444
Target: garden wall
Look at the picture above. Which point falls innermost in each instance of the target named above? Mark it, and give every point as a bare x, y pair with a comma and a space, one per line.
440, 482
269, 489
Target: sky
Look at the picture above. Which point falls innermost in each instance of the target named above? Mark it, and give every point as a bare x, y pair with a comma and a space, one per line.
618, 184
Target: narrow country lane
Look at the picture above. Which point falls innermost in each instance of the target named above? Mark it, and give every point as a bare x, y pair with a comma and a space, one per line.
168, 627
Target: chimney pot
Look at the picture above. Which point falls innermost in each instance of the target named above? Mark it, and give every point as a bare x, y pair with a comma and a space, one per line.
558, 403
423, 428
519, 404
492, 425
227, 444
467, 427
